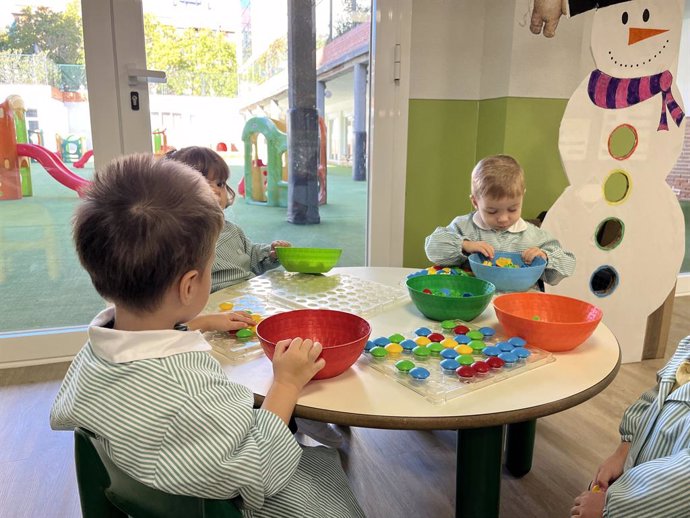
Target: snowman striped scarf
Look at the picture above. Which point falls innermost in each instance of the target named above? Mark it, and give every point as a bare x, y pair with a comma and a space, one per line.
612, 92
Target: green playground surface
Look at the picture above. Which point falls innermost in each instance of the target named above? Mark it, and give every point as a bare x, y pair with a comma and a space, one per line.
42, 283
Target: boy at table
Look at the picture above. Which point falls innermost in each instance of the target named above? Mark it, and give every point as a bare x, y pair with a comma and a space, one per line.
496, 224
649, 473
149, 389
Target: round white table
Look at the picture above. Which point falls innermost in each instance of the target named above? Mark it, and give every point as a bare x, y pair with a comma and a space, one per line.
365, 397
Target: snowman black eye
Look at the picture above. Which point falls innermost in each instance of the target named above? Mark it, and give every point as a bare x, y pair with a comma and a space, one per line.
645, 15
624, 18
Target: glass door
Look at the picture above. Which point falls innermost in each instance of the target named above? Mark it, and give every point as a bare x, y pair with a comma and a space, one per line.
47, 144
231, 66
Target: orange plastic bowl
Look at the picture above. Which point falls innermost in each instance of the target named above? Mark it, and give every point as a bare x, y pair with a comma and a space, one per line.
342, 335
550, 322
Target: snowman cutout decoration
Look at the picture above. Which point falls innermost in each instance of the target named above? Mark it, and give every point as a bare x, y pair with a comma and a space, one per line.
620, 136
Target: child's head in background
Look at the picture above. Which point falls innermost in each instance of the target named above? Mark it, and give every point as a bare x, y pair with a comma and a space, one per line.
498, 187
143, 225
212, 166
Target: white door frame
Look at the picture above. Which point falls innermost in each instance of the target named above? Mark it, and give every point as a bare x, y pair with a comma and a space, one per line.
114, 47
389, 56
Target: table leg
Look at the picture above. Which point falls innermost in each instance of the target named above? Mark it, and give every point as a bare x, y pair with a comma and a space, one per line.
478, 482
520, 447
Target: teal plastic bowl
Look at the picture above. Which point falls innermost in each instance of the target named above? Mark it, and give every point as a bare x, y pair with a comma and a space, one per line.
308, 260
465, 298
508, 279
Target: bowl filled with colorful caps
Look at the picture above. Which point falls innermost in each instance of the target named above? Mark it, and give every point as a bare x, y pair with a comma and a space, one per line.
507, 271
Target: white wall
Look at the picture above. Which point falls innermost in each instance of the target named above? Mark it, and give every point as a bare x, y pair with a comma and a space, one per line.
205, 121
52, 114
446, 51
79, 121
548, 67
465, 49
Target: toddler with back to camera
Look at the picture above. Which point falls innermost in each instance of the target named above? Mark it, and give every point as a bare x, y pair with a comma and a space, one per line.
497, 192
145, 232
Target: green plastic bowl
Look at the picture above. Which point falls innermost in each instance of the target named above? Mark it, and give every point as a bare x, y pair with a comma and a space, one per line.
308, 260
468, 297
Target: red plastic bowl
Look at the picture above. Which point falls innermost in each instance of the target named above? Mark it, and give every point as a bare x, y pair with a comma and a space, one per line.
342, 335
550, 322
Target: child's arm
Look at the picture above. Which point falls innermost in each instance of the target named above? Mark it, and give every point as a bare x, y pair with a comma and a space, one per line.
295, 362
612, 468
261, 257
559, 263
452, 244
222, 321
655, 488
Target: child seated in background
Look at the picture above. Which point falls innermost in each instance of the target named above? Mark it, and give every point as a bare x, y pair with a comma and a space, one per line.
649, 473
150, 391
238, 260
498, 188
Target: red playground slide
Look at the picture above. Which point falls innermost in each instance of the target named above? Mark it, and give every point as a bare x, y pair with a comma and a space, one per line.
55, 167
79, 164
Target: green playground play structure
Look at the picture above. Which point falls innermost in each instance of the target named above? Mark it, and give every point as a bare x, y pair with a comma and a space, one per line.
263, 183
267, 183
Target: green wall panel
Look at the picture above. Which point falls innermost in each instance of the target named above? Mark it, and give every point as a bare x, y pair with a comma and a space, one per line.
532, 138
441, 151
491, 128
445, 140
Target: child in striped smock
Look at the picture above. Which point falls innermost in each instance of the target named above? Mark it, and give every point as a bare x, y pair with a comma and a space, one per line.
237, 260
498, 188
166, 412
649, 473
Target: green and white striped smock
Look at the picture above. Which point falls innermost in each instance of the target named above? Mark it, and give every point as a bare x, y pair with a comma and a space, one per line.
238, 259
168, 415
656, 479
444, 245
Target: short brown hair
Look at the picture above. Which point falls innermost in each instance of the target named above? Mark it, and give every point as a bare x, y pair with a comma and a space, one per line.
203, 159
498, 177
142, 224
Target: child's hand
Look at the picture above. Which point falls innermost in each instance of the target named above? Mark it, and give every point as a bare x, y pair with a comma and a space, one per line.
296, 361
481, 247
612, 468
529, 254
272, 253
223, 321
589, 505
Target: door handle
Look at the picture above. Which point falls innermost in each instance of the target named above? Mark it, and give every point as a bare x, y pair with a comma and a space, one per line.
143, 75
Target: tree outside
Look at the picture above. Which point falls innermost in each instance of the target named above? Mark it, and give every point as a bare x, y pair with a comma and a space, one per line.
197, 61
41, 30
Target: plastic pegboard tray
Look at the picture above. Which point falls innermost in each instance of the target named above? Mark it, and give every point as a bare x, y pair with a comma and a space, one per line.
440, 387
340, 292
227, 344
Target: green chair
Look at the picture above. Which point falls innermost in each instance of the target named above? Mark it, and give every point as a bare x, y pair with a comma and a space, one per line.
106, 491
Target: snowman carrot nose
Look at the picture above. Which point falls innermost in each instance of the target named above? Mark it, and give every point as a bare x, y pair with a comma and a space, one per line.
637, 34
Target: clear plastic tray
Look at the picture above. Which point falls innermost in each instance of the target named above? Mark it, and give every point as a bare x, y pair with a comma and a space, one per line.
340, 292
227, 344
440, 387
278, 291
